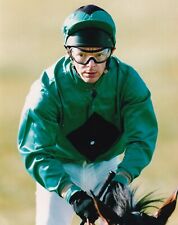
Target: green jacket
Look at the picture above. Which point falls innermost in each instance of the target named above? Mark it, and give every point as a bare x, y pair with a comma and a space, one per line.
60, 103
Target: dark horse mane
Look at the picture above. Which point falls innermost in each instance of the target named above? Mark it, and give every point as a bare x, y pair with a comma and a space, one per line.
122, 208
124, 201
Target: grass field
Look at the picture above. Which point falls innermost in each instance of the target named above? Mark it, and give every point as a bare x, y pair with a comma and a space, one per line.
30, 41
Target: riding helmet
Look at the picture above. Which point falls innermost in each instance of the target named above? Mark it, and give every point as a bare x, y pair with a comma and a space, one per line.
89, 26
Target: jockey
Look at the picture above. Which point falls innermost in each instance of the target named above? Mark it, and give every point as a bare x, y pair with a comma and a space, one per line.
80, 116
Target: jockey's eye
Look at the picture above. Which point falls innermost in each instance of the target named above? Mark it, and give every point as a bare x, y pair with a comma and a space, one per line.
81, 54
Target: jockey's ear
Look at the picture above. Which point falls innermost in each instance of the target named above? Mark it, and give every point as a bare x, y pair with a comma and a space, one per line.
168, 207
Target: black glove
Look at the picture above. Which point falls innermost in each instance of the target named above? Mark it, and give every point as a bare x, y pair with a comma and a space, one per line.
117, 188
84, 207
112, 196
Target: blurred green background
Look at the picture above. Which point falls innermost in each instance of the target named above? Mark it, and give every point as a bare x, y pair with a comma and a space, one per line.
31, 40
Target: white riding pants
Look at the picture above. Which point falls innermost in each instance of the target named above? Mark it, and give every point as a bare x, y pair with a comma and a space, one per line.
51, 209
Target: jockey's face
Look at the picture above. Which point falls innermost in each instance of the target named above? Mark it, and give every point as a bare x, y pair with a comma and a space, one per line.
89, 62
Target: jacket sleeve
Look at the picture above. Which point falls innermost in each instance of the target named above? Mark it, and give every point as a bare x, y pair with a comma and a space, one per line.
37, 138
139, 125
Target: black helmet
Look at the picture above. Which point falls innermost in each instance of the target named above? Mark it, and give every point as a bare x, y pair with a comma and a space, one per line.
89, 26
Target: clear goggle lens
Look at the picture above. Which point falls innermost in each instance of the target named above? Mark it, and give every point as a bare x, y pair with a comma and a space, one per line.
83, 56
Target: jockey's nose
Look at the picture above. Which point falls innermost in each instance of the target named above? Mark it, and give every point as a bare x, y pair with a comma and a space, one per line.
91, 62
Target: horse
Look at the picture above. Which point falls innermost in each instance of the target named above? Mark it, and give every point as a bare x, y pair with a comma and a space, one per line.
124, 209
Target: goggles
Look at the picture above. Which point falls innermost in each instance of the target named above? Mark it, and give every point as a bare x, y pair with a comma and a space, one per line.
83, 56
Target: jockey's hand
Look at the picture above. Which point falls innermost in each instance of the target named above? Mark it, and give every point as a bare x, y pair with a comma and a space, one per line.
83, 206
112, 196
119, 182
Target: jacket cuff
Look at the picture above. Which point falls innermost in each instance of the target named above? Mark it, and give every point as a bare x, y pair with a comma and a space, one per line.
123, 177
69, 190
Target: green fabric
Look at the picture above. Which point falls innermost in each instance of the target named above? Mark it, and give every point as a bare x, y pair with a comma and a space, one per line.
60, 101
121, 179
